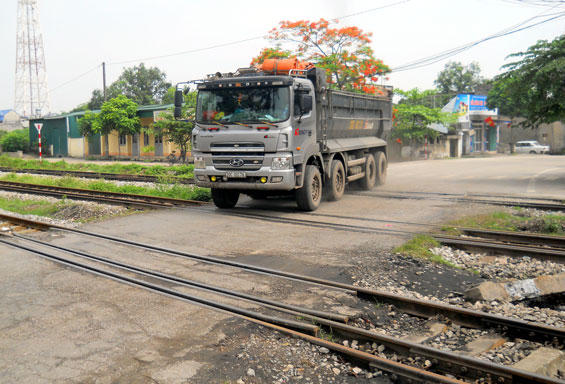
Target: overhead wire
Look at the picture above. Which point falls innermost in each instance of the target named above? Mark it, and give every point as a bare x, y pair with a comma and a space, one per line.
245, 40
214, 46
412, 65
75, 78
454, 51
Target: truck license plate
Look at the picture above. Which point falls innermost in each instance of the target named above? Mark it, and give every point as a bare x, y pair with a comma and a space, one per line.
236, 175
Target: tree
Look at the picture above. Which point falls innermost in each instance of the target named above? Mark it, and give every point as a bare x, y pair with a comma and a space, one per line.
178, 131
533, 86
344, 53
142, 85
118, 114
456, 78
87, 124
412, 118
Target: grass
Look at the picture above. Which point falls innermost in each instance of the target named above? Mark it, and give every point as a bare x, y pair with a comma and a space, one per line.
185, 170
419, 247
514, 221
322, 334
176, 191
31, 207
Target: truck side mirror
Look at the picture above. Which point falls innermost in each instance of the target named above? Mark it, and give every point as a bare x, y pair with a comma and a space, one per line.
305, 103
177, 112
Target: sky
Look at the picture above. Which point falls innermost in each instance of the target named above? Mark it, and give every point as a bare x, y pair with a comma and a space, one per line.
78, 35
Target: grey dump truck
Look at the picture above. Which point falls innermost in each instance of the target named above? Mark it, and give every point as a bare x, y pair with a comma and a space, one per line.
269, 134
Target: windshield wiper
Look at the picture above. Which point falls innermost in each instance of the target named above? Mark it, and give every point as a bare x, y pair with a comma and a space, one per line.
215, 122
242, 124
266, 122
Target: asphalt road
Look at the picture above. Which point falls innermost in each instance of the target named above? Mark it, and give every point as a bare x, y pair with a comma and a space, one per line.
60, 325
531, 175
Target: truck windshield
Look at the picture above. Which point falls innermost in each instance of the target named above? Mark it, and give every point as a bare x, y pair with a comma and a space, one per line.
243, 105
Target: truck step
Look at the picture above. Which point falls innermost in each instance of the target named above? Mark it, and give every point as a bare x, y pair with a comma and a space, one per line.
353, 163
357, 176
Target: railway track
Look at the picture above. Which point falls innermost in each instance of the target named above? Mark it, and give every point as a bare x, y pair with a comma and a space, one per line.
441, 362
547, 204
492, 242
101, 175
138, 201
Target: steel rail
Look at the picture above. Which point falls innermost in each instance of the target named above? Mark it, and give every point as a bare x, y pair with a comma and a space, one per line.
141, 283
98, 175
318, 224
502, 248
499, 248
541, 206
443, 361
516, 237
407, 374
478, 194
272, 304
87, 194
512, 327
83, 196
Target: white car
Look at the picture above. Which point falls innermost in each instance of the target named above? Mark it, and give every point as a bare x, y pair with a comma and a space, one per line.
531, 146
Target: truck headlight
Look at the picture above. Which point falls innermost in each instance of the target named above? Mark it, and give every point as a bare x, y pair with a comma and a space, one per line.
280, 163
199, 163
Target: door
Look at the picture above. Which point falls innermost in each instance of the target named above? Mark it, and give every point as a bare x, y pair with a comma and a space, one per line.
94, 147
158, 145
135, 145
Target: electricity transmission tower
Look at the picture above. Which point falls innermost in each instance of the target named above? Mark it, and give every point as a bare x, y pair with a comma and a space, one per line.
32, 95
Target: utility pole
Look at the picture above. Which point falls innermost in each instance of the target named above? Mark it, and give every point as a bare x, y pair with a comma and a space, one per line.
104, 80
31, 92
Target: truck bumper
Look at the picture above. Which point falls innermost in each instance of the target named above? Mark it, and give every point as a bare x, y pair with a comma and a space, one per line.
250, 182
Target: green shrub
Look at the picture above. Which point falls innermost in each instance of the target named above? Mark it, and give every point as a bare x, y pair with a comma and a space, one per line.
17, 140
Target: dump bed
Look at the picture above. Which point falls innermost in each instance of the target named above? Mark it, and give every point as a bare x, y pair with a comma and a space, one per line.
350, 120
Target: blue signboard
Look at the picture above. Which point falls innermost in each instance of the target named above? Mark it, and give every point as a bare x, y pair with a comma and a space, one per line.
478, 103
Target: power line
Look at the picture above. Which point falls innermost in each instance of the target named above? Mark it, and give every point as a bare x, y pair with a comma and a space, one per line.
371, 10
189, 51
454, 51
245, 40
75, 78
214, 46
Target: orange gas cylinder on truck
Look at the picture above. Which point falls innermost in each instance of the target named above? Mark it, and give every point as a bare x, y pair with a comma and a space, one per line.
283, 66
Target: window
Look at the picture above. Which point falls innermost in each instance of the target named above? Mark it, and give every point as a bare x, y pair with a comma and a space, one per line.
158, 139
243, 104
122, 139
145, 139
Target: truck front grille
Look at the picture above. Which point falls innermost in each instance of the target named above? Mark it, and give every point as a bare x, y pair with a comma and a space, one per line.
247, 161
237, 147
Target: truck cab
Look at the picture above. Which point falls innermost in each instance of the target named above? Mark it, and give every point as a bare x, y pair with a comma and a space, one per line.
251, 132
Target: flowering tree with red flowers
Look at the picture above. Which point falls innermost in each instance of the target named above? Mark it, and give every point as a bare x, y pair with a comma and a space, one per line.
344, 53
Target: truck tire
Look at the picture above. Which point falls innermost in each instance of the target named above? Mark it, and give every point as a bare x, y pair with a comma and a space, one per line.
224, 198
336, 186
380, 160
370, 169
309, 196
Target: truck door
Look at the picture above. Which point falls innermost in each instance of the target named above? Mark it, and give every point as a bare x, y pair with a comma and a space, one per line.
304, 125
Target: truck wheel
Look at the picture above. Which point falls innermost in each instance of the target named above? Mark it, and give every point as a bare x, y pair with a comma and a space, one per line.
309, 196
380, 160
224, 198
336, 186
370, 168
